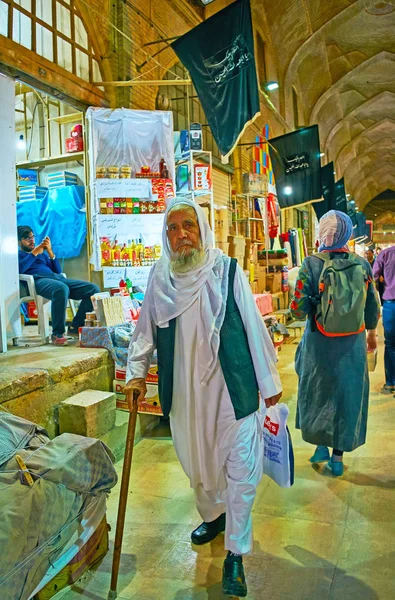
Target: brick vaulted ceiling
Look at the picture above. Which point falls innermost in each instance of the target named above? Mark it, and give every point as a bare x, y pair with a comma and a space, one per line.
339, 55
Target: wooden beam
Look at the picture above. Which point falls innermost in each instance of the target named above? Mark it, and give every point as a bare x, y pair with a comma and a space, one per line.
133, 82
47, 76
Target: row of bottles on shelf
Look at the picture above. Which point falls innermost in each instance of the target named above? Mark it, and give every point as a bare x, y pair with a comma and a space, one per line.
131, 206
125, 171
132, 254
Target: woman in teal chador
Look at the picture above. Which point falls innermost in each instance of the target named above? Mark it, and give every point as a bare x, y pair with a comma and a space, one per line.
333, 393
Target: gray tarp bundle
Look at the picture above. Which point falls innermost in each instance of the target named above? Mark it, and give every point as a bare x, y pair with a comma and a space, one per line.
36, 523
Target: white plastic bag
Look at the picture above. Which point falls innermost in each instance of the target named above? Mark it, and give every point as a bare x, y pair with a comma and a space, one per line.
278, 457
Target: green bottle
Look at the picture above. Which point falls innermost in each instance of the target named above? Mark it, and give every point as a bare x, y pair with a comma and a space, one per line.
129, 285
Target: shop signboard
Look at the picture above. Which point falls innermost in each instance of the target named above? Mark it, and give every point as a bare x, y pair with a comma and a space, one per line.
130, 225
113, 275
123, 188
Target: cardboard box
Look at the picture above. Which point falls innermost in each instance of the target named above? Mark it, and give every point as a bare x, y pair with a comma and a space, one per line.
237, 245
32, 310
254, 253
276, 299
284, 301
255, 183
253, 286
32, 192
221, 225
61, 179
273, 282
260, 275
120, 373
224, 246
151, 404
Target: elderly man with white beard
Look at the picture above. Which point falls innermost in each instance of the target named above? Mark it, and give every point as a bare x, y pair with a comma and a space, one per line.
214, 358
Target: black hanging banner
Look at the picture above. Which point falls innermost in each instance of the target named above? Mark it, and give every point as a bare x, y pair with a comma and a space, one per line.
352, 213
361, 233
339, 201
297, 166
327, 187
219, 55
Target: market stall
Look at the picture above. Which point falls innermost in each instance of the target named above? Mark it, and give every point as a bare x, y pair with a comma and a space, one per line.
131, 158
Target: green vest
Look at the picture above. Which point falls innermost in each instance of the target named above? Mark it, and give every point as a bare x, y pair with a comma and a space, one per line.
234, 356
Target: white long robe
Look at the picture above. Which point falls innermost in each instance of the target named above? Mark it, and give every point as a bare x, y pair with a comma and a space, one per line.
203, 423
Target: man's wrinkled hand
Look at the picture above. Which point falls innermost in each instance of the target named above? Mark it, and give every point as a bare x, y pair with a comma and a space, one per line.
135, 389
273, 400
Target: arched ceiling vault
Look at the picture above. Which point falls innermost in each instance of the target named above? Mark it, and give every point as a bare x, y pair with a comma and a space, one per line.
340, 58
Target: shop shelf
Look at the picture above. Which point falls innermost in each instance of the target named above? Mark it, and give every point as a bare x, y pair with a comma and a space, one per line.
51, 160
71, 118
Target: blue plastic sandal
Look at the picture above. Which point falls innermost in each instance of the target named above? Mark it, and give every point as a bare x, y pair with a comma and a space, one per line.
336, 467
321, 454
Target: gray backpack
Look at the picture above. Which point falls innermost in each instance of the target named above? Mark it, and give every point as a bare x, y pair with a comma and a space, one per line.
342, 293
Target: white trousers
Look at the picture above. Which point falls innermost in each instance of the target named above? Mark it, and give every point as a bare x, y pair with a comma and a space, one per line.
243, 472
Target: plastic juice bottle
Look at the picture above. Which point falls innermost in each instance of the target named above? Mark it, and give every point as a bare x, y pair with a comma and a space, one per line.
105, 249
133, 253
125, 256
140, 252
157, 252
122, 287
116, 254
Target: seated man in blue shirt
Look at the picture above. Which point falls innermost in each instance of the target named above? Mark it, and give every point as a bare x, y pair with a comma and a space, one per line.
41, 262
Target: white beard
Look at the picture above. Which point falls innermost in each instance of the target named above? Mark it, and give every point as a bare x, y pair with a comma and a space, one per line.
182, 263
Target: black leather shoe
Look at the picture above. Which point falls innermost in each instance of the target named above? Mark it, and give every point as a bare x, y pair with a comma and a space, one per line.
208, 531
233, 579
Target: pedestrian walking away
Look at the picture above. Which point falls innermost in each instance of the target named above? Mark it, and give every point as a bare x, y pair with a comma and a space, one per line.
335, 291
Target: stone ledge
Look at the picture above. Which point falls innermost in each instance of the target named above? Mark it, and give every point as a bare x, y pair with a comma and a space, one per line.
17, 381
34, 382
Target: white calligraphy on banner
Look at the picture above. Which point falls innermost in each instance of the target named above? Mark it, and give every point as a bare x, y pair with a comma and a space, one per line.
113, 275
123, 188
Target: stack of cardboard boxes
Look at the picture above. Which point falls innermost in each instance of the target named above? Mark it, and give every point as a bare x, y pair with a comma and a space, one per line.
266, 274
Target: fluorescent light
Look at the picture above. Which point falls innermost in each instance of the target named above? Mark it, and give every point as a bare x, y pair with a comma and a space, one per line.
348, 195
322, 154
21, 144
287, 190
352, 202
271, 86
334, 172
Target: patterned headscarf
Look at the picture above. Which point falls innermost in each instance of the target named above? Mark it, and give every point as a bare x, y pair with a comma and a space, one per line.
335, 230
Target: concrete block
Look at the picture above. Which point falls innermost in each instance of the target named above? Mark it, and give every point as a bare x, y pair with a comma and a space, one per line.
90, 413
116, 438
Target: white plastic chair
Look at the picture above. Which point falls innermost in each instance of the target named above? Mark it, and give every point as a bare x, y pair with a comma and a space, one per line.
43, 307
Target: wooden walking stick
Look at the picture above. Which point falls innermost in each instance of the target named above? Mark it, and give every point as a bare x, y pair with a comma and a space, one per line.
123, 498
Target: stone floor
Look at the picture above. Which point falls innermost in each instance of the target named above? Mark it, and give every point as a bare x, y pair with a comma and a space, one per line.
323, 539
